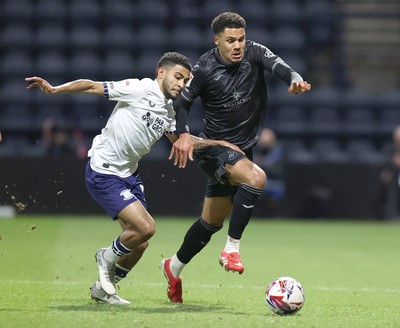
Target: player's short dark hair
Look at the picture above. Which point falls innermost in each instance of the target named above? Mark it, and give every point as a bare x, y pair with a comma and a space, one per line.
227, 20
174, 58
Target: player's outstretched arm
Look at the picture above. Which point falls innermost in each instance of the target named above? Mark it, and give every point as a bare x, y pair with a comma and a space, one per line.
77, 86
180, 157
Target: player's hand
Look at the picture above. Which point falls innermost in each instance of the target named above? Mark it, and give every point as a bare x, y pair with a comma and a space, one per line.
181, 150
38, 82
299, 87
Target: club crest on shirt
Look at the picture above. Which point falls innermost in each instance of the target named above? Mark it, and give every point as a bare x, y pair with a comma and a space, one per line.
244, 66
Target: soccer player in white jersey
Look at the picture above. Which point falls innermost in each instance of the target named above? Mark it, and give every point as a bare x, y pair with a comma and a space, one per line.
143, 114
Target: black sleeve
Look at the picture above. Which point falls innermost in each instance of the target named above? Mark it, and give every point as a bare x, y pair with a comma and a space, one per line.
191, 91
181, 107
276, 65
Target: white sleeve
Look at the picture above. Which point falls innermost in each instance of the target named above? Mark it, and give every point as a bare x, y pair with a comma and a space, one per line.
125, 90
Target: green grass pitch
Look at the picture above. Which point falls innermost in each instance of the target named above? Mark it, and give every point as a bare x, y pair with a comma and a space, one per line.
350, 272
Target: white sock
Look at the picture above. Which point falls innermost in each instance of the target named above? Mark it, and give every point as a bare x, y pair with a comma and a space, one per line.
232, 245
110, 256
176, 266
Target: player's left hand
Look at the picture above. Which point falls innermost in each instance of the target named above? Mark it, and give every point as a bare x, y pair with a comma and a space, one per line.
181, 150
299, 87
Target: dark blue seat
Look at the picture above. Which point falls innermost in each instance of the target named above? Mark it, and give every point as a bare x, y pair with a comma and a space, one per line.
17, 35
325, 120
16, 63
51, 11
123, 11
51, 64
360, 120
119, 65
85, 36
17, 11
16, 118
256, 12
329, 150
86, 64
118, 37
51, 36
363, 150
152, 37
290, 120
88, 11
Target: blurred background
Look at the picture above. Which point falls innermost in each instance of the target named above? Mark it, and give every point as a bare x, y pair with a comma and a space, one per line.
330, 153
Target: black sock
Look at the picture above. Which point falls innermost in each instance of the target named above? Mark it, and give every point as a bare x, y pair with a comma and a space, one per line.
243, 204
196, 238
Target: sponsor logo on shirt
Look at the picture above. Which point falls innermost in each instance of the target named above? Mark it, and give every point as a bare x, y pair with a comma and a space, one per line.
238, 100
151, 104
155, 123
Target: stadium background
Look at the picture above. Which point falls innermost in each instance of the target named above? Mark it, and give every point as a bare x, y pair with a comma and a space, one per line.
336, 137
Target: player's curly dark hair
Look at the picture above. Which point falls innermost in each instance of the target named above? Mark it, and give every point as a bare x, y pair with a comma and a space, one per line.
174, 58
227, 20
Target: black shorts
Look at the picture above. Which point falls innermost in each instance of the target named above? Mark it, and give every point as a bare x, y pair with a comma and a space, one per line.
212, 161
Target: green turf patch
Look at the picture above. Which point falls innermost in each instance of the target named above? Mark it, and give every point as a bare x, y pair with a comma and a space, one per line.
349, 271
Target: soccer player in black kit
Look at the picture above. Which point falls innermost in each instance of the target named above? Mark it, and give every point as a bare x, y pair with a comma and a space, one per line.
230, 81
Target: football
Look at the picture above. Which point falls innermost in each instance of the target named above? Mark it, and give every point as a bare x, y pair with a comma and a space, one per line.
284, 295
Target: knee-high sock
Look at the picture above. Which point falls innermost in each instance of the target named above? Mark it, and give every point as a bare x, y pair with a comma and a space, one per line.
243, 205
196, 238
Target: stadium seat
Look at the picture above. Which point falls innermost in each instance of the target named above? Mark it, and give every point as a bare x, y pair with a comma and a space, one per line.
259, 34
51, 11
50, 36
211, 9
325, 96
85, 36
14, 145
16, 118
329, 150
88, 11
286, 12
146, 64
17, 11
354, 97
119, 37
17, 35
119, 65
13, 91
325, 120
360, 121
86, 64
123, 12
363, 150
288, 39
388, 120
257, 13
290, 120
16, 63
152, 37
156, 11
186, 38
51, 64
296, 151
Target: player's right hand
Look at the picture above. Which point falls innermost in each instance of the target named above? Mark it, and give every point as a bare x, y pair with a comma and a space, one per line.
38, 82
181, 150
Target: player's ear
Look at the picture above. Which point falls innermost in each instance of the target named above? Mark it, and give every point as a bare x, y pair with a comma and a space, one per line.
160, 72
216, 40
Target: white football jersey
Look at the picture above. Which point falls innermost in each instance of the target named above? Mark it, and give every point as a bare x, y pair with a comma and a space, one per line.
141, 117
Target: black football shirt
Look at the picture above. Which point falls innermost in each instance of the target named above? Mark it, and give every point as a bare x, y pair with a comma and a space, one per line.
234, 96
